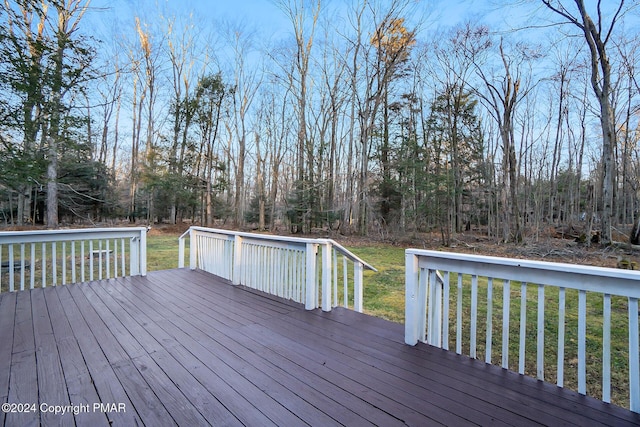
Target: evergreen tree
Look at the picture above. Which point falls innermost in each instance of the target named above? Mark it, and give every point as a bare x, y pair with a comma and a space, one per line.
43, 64
457, 151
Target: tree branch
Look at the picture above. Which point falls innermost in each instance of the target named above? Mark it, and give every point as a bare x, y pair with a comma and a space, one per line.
563, 12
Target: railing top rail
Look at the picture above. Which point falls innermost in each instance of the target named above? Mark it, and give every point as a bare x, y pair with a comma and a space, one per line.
185, 234
350, 255
255, 235
303, 240
67, 234
583, 277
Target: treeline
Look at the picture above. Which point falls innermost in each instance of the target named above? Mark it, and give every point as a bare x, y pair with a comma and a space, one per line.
366, 118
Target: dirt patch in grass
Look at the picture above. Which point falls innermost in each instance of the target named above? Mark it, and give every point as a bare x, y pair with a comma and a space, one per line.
168, 229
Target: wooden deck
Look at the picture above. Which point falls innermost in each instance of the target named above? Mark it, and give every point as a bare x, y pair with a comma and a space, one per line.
185, 347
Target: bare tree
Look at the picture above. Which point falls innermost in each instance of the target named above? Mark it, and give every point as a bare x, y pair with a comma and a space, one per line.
502, 95
247, 81
304, 25
387, 49
597, 35
352, 60
150, 67
136, 125
277, 125
110, 97
181, 44
333, 70
629, 52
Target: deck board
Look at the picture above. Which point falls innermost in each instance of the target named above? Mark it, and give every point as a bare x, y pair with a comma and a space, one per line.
370, 372
102, 376
76, 374
206, 350
49, 367
412, 378
23, 381
342, 407
184, 347
7, 319
231, 355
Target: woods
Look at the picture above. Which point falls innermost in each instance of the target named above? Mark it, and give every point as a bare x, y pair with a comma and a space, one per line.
372, 118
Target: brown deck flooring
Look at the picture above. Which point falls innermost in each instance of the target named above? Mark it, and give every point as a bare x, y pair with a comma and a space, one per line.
185, 347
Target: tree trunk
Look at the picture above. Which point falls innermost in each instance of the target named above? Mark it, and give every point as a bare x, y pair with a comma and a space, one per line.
608, 169
52, 185
239, 190
135, 141
634, 237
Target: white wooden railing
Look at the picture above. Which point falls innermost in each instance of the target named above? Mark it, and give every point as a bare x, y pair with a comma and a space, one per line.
50, 257
581, 297
287, 267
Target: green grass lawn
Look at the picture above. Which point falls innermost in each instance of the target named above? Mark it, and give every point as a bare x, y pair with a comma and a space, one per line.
162, 252
383, 294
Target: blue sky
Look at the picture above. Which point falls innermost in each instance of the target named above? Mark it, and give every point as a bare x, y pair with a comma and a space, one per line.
264, 15
259, 12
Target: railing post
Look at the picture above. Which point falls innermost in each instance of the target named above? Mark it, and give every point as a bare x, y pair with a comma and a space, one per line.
134, 257
412, 309
143, 252
237, 259
335, 299
193, 249
326, 276
11, 269
181, 250
634, 357
435, 309
311, 290
357, 286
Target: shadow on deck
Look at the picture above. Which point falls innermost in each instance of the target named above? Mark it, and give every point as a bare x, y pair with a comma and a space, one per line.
185, 347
